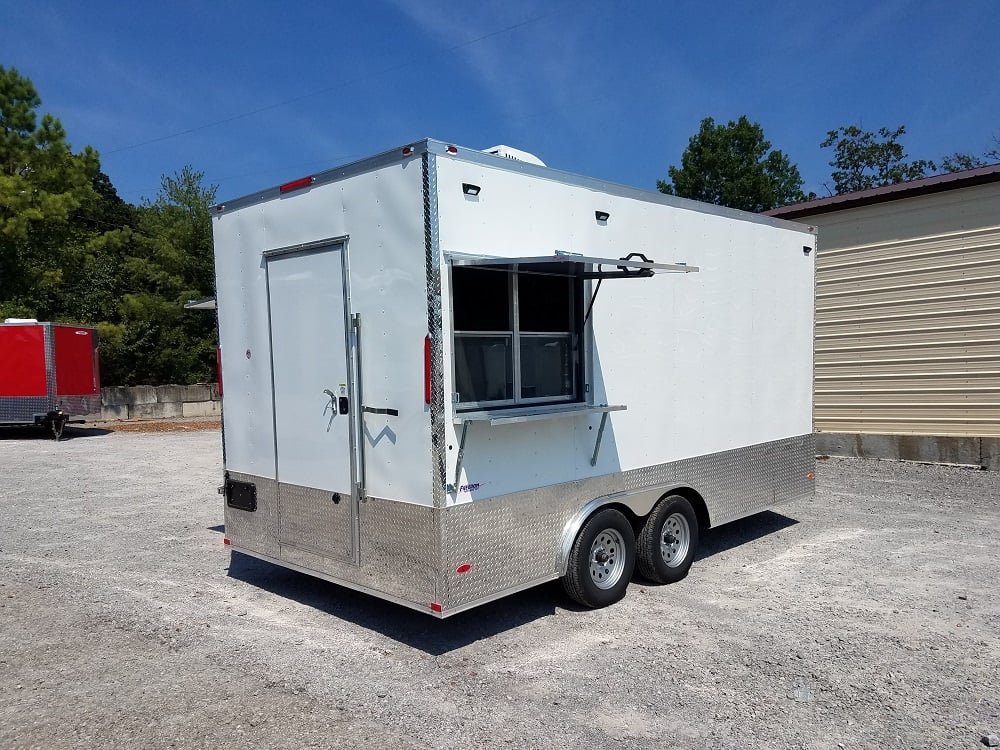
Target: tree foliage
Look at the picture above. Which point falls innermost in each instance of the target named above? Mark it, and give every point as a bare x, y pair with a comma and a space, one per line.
44, 188
958, 161
864, 160
733, 165
71, 250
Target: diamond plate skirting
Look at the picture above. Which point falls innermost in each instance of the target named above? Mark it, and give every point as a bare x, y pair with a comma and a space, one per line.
412, 553
256, 531
513, 540
738, 482
22, 409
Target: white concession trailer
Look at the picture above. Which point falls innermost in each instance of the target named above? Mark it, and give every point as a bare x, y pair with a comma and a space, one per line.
450, 375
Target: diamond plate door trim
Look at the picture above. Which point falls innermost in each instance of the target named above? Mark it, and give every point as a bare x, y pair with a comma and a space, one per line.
432, 261
317, 521
398, 545
50, 362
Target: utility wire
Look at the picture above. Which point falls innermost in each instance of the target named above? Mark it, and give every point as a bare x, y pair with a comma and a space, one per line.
327, 89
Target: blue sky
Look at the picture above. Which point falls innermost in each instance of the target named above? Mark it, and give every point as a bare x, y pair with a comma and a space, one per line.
255, 93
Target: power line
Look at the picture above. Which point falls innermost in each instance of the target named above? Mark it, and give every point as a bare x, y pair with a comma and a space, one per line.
327, 89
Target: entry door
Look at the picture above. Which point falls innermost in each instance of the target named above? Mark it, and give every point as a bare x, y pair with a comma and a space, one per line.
313, 434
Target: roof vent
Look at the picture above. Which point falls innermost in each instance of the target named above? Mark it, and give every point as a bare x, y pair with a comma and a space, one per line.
514, 153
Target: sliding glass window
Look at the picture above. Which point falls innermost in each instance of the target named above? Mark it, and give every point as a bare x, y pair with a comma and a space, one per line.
516, 336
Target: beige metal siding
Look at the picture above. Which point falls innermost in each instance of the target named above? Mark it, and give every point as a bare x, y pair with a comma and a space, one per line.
908, 327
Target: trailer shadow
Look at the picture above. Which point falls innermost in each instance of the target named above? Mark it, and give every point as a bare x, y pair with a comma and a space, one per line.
422, 632
724, 538
33, 432
436, 637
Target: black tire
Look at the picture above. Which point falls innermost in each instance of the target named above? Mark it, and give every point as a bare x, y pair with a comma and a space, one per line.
668, 540
601, 561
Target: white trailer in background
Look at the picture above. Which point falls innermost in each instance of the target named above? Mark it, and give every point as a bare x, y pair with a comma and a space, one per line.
452, 375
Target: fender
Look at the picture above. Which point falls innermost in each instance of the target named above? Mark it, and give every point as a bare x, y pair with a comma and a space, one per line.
640, 502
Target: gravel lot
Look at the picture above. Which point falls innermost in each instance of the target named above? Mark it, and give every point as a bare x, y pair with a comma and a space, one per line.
867, 618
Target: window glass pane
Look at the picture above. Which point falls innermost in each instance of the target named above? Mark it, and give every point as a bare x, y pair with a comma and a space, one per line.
544, 302
481, 299
546, 366
484, 368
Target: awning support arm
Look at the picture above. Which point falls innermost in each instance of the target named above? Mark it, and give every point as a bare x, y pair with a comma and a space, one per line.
600, 434
459, 457
593, 298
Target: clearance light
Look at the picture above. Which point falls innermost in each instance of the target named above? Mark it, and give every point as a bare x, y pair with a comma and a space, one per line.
226, 541
218, 366
407, 150
463, 568
451, 150
219, 207
810, 476
296, 184
435, 607
427, 369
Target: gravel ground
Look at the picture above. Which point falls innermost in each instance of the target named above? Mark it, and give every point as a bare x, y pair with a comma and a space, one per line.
866, 618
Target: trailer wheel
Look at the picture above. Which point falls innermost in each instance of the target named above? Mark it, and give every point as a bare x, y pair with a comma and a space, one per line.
601, 560
668, 540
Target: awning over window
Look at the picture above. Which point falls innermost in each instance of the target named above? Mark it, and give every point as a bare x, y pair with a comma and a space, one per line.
634, 265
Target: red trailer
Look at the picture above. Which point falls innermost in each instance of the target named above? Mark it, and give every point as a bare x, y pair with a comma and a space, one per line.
48, 373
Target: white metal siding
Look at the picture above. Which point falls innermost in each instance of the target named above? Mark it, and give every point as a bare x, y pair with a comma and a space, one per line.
705, 362
908, 316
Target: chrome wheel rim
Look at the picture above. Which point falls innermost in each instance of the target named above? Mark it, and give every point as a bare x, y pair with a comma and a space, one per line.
675, 540
607, 559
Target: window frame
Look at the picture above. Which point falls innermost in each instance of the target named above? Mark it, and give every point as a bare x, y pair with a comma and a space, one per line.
576, 341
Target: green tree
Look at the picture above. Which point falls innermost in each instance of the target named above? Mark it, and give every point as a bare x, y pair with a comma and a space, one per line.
72, 250
733, 165
166, 260
43, 185
864, 160
959, 160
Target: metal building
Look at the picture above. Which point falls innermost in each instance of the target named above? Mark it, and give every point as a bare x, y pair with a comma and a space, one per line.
908, 318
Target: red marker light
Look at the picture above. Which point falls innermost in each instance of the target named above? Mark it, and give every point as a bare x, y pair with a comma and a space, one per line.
407, 150
465, 568
218, 367
451, 150
427, 369
810, 476
435, 607
226, 541
296, 184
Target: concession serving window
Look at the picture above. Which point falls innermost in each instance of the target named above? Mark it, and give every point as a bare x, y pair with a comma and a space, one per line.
519, 325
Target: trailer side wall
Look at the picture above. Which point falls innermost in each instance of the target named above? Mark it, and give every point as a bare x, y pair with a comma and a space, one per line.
705, 362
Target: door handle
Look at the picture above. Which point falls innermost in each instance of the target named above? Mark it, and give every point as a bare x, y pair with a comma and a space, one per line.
373, 410
332, 406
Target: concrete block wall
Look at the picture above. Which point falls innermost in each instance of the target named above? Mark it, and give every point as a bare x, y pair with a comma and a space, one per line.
968, 451
160, 402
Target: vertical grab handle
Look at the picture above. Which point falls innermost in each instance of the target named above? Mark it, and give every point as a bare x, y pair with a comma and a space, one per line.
356, 325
